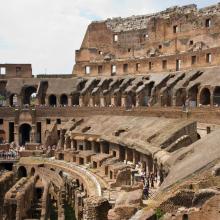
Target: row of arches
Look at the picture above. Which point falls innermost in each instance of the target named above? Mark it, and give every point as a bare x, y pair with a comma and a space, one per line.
53, 100
196, 97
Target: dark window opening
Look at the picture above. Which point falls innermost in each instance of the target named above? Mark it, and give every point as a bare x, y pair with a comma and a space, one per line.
191, 43
160, 46
58, 121
38, 137
193, 60
150, 65
18, 69
1, 121
208, 22
129, 50
208, 58
175, 29
125, 68
48, 121
99, 69
11, 132
164, 64
178, 65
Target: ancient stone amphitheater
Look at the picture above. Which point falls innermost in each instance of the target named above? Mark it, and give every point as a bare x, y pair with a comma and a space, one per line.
132, 133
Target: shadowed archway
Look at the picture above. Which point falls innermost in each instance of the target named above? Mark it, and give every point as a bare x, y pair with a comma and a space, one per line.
24, 134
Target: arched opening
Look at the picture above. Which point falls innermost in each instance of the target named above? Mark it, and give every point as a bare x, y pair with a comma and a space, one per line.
63, 100
52, 100
30, 96
180, 97
121, 153
216, 96
13, 100
205, 97
185, 217
61, 173
193, 91
131, 99
24, 134
32, 171
117, 100
75, 99
77, 182
22, 172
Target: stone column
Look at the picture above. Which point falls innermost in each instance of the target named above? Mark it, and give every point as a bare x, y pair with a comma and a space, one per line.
46, 100
72, 145
69, 100
135, 157
113, 101
102, 101
137, 101
81, 104
19, 100
102, 148
58, 100
93, 146
123, 101
174, 100
16, 134
33, 133
91, 104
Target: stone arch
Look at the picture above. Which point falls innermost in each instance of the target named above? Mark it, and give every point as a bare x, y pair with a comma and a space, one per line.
192, 94
24, 133
22, 172
63, 100
180, 97
32, 171
13, 100
29, 95
205, 96
216, 96
52, 100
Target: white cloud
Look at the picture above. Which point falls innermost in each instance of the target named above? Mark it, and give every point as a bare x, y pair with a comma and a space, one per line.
46, 33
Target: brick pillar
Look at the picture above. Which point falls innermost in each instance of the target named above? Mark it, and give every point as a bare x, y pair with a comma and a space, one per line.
58, 100
174, 101
33, 134
91, 104
16, 134
123, 101
81, 101
113, 101
19, 101
102, 101
137, 101
69, 100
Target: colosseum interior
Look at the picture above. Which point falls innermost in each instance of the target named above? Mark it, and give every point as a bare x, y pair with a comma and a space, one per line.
132, 133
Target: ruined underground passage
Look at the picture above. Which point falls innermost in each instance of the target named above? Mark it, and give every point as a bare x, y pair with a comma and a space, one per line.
132, 133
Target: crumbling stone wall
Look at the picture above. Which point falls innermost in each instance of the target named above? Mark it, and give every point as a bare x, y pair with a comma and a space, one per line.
96, 208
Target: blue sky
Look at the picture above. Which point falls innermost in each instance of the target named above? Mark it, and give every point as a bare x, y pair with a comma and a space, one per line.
47, 32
